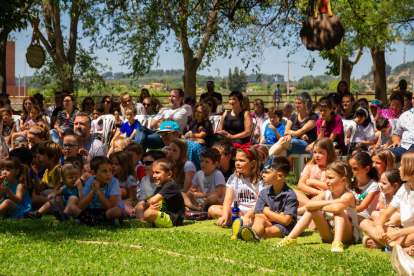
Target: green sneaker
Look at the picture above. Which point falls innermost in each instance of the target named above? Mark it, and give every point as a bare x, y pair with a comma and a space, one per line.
136, 223
248, 234
286, 242
236, 229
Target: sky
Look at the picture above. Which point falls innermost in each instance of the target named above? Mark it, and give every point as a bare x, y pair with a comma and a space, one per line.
274, 60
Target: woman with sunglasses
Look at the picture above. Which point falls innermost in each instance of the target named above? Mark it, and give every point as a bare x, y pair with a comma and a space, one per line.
65, 119
107, 104
87, 105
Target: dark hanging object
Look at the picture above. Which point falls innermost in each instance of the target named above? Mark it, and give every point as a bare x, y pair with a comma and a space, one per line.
322, 31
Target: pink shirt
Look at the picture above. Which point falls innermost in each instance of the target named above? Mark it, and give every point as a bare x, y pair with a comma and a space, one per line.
334, 126
387, 114
314, 171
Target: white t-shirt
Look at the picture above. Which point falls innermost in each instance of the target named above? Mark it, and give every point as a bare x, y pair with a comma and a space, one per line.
189, 166
97, 126
209, 183
130, 182
147, 188
371, 187
363, 134
179, 116
404, 200
245, 192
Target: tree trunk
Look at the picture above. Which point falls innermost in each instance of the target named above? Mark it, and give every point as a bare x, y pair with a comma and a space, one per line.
189, 77
347, 71
380, 78
3, 44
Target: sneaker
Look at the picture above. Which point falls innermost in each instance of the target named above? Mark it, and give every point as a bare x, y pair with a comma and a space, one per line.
55, 209
248, 234
33, 215
286, 242
116, 223
236, 229
78, 222
337, 246
136, 223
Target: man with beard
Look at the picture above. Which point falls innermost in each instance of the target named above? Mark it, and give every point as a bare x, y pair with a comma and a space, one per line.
82, 126
126, 100
211, 93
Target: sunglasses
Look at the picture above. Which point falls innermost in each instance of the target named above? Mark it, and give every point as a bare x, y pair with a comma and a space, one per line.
146, 104
147, 163
90, 103
163, 133
108, 102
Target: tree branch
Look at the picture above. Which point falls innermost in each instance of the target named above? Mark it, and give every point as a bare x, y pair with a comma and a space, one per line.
357, 57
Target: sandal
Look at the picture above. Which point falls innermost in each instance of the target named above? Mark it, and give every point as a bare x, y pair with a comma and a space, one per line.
365, 243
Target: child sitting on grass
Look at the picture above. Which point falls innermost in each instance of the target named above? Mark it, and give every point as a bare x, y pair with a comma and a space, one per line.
147, 185
14, 188
136, 152
333, 210
48, 155
275, 129
123, 170
61, 199
380, 234
390, 183
227, 165
364, 185
208, 184
382, 160
243, 187
166, 208
101, 202
276, 206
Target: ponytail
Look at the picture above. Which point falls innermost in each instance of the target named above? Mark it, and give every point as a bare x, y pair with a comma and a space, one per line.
24, 177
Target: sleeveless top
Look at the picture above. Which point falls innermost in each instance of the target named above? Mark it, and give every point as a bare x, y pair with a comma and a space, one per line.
235, 124
24, 206
352, 215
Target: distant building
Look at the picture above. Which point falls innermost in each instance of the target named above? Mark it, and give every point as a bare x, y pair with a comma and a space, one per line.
249, 89
155, 85
11, 88
279, 78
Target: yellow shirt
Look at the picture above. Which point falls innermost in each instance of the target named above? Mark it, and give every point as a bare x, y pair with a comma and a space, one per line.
48, 177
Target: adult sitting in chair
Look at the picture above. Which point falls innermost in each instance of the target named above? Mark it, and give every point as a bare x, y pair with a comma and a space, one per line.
65, 119
236, 124
403, 135
126, 100
300, 130
169, 130
147, 137
200, 128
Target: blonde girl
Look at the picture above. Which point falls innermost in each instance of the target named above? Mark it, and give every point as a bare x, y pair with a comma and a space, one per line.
123, 169
390, 182
380, 234
185, 169
382, 160
14, 188
333, 210
38, 133
364, 184
119, 145
312, 180
243, 187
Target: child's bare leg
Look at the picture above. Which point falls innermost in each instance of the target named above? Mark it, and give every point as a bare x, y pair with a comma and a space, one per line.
140, 209
74, 211
190, 202
73, 200
38, 201
216, 211
279, 148
128, 207
343, 228
213, 200
7, 205
322, 225
302, 224
46, 208
368, 226
113, 213
264, 229
395, 219
150, 215
375, 215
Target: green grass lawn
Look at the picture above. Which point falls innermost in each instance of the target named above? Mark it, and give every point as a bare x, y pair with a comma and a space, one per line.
47, 247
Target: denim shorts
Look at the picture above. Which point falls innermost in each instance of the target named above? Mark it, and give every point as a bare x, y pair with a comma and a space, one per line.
297, 146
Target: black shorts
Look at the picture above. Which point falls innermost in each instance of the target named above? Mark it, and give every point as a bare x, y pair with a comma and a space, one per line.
353, 147
97, 212
285, 230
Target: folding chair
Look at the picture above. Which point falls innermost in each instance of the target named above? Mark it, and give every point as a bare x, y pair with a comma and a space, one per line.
16, 119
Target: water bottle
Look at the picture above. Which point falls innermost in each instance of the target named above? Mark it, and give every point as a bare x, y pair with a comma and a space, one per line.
235, 212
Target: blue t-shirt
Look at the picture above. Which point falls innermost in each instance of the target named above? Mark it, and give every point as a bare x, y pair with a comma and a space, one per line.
112, 188
68, 193
270, 134
127, 129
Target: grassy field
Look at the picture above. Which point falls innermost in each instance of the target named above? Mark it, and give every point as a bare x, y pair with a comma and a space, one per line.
47, 247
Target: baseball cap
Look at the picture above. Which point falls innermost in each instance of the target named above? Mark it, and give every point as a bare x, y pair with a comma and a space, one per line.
188, 109
376, 103
168, 126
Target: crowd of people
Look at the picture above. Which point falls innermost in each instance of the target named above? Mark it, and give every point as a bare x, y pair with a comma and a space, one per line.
152, 175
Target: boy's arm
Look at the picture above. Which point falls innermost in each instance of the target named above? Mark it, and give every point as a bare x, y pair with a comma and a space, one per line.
118, 132
86, 199
218, 193
133, 134
108, 203
280, 218
155, 199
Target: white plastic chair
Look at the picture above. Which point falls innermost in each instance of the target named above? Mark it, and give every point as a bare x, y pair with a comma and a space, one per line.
284, 121
48, 120
265, 121
393, 123
108, 122
16, 119
144, 120
215, 121
252, 131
